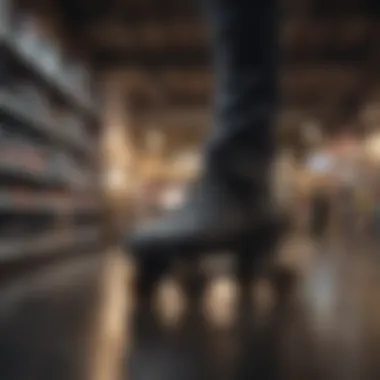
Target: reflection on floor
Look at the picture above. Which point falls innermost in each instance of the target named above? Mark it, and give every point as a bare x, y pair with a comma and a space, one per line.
327, 328
47, 320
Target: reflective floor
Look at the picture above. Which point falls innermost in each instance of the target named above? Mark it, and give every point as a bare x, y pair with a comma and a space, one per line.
47, 320
327, 327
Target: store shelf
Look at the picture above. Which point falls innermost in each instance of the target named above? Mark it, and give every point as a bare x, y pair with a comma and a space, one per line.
24, 202
18, 170
21, 160
49, 133
55, 84
48, 244
16, 110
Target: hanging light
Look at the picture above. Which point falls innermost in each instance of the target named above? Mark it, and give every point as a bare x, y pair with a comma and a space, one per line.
372, 147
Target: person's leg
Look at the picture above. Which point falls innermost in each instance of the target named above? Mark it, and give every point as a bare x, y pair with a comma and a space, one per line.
232, 198
244, 42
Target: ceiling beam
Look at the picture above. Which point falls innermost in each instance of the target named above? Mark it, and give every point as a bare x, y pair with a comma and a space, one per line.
295, 34
201, 57
293, 109
195, 81
152, 35
309, 88
306, 33
147, 59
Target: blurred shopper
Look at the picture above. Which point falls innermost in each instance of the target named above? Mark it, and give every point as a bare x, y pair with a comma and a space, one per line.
232, 199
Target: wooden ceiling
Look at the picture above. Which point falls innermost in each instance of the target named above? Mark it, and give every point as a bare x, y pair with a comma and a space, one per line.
329, 66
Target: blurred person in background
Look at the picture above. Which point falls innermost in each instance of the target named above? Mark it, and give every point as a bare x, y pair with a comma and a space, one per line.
232, 200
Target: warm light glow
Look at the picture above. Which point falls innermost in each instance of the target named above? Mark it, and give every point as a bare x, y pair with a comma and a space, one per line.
115, 179
188, 162
372, 147
172, 198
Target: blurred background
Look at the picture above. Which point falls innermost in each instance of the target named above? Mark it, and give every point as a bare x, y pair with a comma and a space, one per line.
104, 109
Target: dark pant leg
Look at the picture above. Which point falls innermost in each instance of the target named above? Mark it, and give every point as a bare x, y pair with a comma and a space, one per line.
244, 42
233, 196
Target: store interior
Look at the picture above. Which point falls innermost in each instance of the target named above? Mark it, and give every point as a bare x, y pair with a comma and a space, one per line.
105, 108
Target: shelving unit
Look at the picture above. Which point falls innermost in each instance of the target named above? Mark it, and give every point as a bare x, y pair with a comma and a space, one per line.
50, 196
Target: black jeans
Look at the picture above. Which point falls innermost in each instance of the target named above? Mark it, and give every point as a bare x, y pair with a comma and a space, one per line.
245, 50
